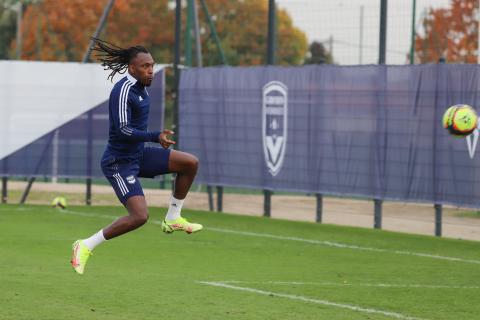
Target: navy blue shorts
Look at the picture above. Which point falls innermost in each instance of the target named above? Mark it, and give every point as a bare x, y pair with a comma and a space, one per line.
123, 174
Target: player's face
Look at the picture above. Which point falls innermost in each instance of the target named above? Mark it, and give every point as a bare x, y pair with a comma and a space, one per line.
141, 67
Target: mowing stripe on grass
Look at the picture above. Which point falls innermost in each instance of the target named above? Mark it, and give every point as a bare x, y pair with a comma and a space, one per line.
311, 300
333, 284
341, 245
311, 241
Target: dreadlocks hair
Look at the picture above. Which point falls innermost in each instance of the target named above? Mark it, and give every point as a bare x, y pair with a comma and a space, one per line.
113, 57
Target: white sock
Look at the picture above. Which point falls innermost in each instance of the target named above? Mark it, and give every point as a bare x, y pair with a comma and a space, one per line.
94, 240
175, 208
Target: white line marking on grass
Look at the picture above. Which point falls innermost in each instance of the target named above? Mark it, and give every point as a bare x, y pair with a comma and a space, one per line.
311, 300
341, 245
311, 241
333, 284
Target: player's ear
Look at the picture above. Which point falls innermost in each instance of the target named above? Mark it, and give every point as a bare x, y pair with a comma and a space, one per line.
130, 69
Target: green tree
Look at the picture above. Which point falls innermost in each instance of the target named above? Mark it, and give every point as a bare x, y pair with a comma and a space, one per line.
8, 27
242, 29
318, 54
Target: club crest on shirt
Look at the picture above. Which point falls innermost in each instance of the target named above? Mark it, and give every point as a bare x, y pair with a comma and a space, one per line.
130, 179
274, 124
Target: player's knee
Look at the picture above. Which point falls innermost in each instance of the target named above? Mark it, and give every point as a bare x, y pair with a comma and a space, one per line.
140, 219
191, 164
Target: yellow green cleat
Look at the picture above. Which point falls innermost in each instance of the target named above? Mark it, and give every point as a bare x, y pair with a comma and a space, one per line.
80, 255
180, 224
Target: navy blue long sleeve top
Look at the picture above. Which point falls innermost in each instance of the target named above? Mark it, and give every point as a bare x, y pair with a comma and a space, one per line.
129, 106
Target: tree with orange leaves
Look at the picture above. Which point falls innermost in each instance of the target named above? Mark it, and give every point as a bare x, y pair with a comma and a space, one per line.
450, 33
59, 30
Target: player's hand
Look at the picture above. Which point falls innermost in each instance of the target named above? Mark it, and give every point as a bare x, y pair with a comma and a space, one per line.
164, 140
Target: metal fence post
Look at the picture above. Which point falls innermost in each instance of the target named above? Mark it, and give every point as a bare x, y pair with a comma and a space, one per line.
212, 30
4, 188
412, 38
27, 190
438, 220
319, 208
219, 198
383, 32
48, 143
267, 203
210, 197
178, 38
5, 180
272, 17
162, 182
85, 59
88, 192
377, 213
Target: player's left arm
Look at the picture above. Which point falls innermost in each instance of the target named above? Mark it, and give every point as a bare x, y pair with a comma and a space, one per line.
131, 134
122, 120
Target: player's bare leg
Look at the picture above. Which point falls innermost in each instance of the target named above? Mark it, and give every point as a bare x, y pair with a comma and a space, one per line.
185, 166
137, 216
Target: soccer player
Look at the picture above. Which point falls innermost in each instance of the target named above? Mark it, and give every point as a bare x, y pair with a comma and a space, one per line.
125, 157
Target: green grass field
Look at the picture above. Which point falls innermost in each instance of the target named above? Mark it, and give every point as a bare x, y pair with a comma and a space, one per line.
237, 268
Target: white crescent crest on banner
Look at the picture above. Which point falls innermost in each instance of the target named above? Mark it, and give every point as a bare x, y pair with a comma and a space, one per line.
472, 143
274, 124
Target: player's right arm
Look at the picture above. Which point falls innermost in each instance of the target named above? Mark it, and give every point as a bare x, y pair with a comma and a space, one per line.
165, 141
122, 115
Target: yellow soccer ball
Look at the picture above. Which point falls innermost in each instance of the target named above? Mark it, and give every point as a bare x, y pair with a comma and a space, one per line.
460, 120
59, 202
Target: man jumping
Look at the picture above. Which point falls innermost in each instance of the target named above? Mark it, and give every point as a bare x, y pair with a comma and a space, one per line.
125, 157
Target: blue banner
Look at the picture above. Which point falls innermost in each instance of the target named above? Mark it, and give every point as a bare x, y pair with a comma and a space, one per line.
369, 131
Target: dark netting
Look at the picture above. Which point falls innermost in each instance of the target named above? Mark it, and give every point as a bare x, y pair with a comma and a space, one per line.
370, 131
